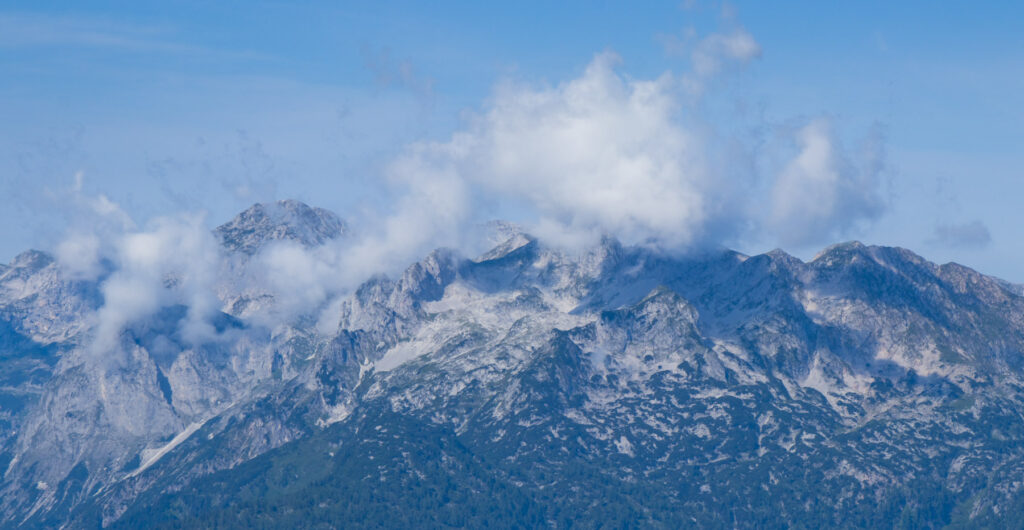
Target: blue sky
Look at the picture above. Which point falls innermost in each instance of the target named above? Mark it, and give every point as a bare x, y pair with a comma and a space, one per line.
201, 106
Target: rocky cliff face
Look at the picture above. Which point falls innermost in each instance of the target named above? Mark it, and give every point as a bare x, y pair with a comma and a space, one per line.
713, 389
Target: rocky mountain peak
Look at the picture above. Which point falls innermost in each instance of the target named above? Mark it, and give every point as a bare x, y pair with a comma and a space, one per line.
840, 252
31, 260
700, 376
508, 236
779, 255
776, 262
291, 220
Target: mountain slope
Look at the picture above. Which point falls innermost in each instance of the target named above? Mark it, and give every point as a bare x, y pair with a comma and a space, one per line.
530, 386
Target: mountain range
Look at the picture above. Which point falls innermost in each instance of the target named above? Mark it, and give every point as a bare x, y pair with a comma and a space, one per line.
531, 386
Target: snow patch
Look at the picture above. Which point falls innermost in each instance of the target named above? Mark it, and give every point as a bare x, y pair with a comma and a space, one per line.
398, 355
150, 456
335, 414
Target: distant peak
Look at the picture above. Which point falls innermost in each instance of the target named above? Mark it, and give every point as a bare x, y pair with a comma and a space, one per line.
503, 230
781, 255
774, 260
31, 259
887, 256
509, 237
838, 249
288, 219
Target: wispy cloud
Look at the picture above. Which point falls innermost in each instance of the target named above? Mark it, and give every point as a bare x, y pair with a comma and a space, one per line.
972, 235
712, 54
822, 192
605, 153
171, 260
599, 153
37, 30
716, 50
389, 71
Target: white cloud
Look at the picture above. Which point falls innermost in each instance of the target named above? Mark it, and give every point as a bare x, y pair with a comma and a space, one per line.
598, 154
172, 262
300, 279
717, 50
429, 212
79, 255
608, 154
821, 193
96, 222
712, 55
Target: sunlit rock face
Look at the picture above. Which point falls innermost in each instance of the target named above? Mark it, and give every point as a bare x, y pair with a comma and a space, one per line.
704, 389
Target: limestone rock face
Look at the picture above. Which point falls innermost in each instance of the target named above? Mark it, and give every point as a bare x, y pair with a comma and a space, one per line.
785, 390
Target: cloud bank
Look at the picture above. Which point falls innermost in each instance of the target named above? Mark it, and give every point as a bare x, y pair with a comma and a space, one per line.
605, 153
173, 261
600, 154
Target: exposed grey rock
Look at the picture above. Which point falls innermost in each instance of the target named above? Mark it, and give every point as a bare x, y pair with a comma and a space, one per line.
290, 220
872, 362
